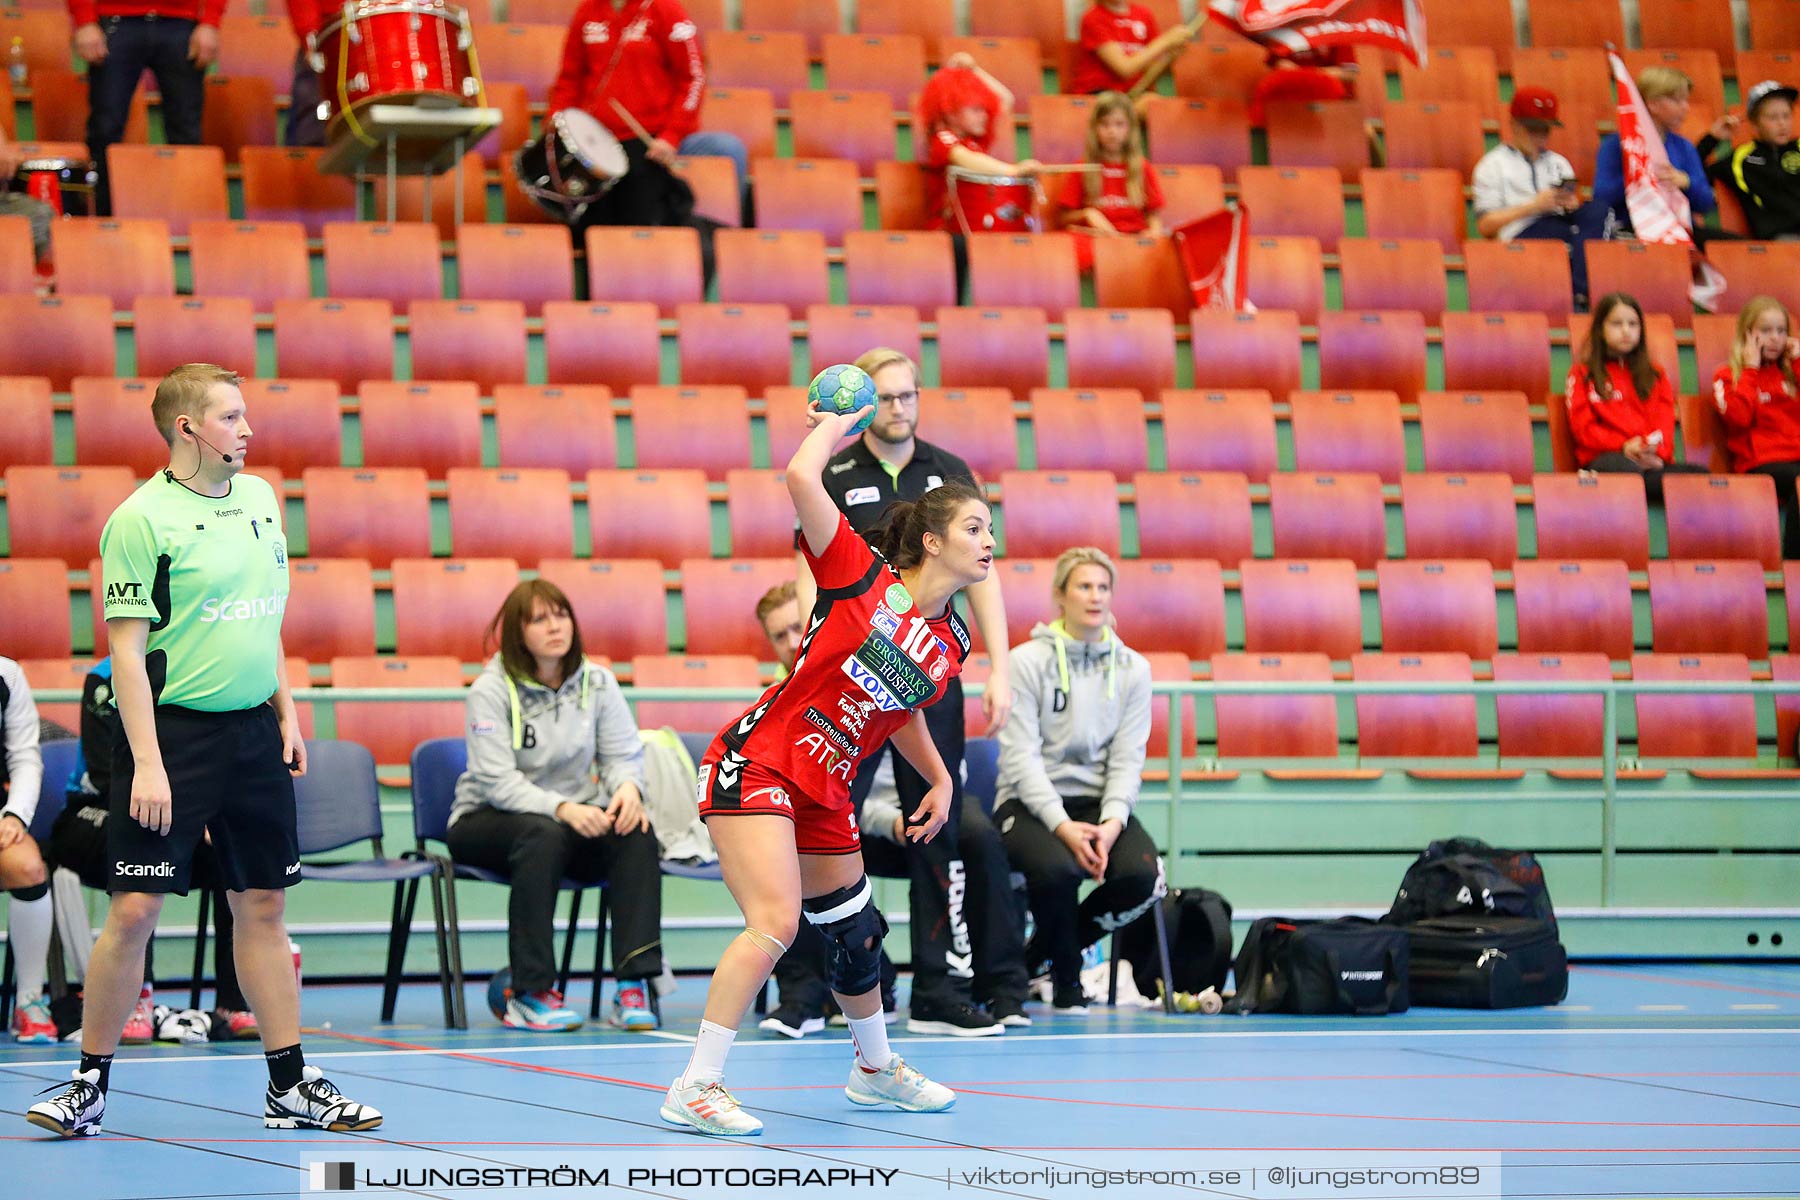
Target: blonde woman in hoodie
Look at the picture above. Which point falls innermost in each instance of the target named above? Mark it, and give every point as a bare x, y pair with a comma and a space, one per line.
1071, 762
554, 791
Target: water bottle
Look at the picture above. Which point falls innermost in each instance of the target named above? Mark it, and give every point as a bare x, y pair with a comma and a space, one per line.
17, 69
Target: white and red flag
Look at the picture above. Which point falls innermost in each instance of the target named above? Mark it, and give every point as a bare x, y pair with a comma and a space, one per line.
1213, 251
1299, 28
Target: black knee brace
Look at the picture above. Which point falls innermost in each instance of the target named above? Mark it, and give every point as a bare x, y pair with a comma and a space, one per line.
853, 927
36, 891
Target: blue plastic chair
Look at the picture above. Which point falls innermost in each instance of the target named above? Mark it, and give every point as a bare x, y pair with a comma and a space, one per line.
60, 758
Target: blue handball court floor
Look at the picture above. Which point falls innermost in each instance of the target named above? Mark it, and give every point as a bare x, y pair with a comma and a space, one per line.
1650, 1081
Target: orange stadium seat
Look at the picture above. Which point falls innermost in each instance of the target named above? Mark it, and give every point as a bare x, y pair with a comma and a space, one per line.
1657, 275
1689, 23
719, 597
258, 47
1171, 667
1454, 74
705, 427
1317, 133
1693, 59
481, 341
524, 512
284, 184
1691, 725
776, 62
1247, 350
514, 103
1592, 516
1048, 511
1300, 605
1404, 204
1723, 516
1298, 201
1031, 269
1414, 726
1175, 605
1025, 590
1459, 23
993, 347
1293, 725
58, 512
1328, 516
566, 427
1100, 429
1287, 274
1120, 348
532, 264
433, 425
1043, 21
1477, 432
743, 344
820, 194
615, 345
1522, 275
618, 603
373, 514
1555, 725
1220, 431
1497, 352
1373, 349
1059, 125
1140, 272
1194, 514
717, 194
174, 184
1577, 74
1460, 516
760, 513
112, 424
1751, 269
345, 341
977, 422
1190, 191
1702, 430
528, 55
1210, 132
748, 112
1438, 605
1712, 606
390, 729
1219, 70
59, 106
261, 261
899, 196
1784, 668
683, 528
857, 126
1568, 606
929, 19
688, 671
172, 330
1774, 25
765, 266
812, 19
399, 263
120, 259
784, 421
296, 424
25, 405
444, 605
883, 266
840, 333
331, 608
1418, 134
1575, 22
659, 265
1348, 431
1013, 60
57, 337
34, 608
238, 112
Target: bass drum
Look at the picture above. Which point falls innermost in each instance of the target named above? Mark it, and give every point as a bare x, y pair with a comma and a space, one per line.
576, 162
994, 203
419, 52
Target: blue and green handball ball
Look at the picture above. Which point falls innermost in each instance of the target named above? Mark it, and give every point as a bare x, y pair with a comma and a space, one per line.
844, 388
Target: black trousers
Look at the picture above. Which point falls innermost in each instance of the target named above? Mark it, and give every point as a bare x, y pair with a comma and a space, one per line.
1053, 879
303, 125
134, 45
1617, 462
1784, 474
539, 853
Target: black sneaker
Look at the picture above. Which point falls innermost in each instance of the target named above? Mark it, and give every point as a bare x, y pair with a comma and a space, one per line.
1070, 1000
316, 1104
1009, 1012
789, 1020
956, 1020
73, 1112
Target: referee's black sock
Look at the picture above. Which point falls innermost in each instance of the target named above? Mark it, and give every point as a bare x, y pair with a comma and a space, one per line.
286, 1067
98, 1062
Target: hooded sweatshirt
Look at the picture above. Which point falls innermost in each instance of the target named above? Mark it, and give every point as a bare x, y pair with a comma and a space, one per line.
1079, 726
531, 749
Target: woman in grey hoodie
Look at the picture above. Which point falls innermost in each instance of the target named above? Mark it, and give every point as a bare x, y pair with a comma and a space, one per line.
539, 719
1071, 762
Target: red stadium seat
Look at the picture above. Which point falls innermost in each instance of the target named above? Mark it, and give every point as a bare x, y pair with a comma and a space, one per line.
704, 427
34, 608
743, 344
1026, 590
1438, 605
841, 333
1690, 23
1373, 350
1220, 431
749, 113
1170, 605
618, 603
1317, 133
398, 263
856, 126
1553, 725
358, 512
687, 671
776, 62
1708, 607
1297, 604
1048, 511
1286, 274
172, 330
890, 63
1322, 516
1435, 133
1692, 58
817, 194
531, 264
719, 597
481, 341
1012, 59
1694, 725
113, 426
238, 112
1041, 20
1592, 516
929, 19
1101, 429
331, 608
1702, 432
1240, 350
994, 347
514, 130
1140, 272
1120, 348
1657, 275
812, 19
1032, 270
1192, 514
519, 512
445, 605
1212, 133
1294, 201
1714, 334
261, 261
58, 512
431, 425
345, 341
1470, 432
1209, 70
284, 183
1785, 668
760, 513
886, 267
1497, 352
1567, 607
1523, 275
57, 337
762, 266
1455, 74
1405, 273
1723, 516
174, 184
527, 55
1575, 22
121, 259
683, 528
613, 345
899, 196
1577, 73
1275, 727
1171, 667
25, 405
1190, 191
1458, 23
659, 265
390, 729
1348, 431
1460, 516
978, 422
1059, 125
1414, 726
1774, 25
566, 428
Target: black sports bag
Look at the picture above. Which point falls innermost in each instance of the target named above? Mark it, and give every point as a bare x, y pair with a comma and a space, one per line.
1466, 875
1487, 962
1348, 965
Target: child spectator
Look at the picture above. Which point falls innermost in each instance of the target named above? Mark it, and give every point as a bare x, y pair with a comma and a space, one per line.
959, 111
1118, 43
1759, 400
1665, 92
1524, 189
1621, 405
1764, 173
1123, 197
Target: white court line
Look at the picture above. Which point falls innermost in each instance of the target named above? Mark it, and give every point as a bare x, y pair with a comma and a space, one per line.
786, 1044
1755, 1008
1662, 1008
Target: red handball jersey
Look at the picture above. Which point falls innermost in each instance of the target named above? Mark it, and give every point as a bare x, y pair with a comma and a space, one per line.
1113, 200
868, 659
1132, 29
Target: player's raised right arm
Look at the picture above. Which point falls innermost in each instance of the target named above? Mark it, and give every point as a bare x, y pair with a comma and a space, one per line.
812, 503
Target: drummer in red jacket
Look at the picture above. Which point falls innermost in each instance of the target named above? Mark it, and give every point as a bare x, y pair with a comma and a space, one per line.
1621, 404
1758, 398
176, 40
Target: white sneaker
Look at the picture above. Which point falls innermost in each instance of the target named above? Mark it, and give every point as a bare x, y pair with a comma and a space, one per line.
316, 1104
709, 1108
899, 1085
73, 1112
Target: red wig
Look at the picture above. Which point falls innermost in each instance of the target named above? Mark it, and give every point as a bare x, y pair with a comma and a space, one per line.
952, 90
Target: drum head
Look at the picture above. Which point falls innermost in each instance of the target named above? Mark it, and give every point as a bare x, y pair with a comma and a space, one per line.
592, 143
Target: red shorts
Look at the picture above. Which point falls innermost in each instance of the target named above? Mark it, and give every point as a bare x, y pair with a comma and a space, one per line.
818, 828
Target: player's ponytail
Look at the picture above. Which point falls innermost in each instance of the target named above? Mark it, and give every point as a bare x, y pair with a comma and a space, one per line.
900, 538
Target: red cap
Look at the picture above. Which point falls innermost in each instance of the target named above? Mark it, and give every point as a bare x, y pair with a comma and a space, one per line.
1535, 104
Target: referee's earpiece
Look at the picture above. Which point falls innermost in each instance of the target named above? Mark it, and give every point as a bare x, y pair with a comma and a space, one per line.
187, 428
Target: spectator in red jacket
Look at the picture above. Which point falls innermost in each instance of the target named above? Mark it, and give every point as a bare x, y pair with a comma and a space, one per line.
1123, 196
1758, 398
1118, 43
303, 125
119, 39
1621, 405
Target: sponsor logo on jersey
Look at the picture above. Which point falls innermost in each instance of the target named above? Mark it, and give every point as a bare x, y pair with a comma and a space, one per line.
824, 725
822, 752
293, 869
126, 593
144, 870
862, 495
871, 683
682, 31
840, 468
962, 633
596, 33
903, 678
280, 554
886, 620
774, 797
856, 713
939, 668
898, 598
228, 512
227, 608
704, 778
483, 727
637, 31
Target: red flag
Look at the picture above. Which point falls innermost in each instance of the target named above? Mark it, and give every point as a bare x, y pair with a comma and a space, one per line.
1297, 28
1213, 253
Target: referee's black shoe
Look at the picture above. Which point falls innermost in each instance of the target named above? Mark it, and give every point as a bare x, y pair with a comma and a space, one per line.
955, 1020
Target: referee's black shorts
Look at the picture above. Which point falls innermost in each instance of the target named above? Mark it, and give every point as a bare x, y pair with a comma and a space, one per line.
226, 776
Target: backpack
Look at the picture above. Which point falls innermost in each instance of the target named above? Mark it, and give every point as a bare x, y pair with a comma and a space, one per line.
1347, 965
1198, 922
1466, 875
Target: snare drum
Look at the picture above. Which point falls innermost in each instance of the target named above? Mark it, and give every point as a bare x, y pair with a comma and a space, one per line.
394, 52
577, 161
66, 184
994, 203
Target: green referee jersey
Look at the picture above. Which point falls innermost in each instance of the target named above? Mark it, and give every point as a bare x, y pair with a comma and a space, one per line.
211, 576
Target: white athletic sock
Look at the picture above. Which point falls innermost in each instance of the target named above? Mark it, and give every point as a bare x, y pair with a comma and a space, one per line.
710, 1048
870, 1036
28, 927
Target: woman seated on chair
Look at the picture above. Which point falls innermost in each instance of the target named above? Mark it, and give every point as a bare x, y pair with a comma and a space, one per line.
540, 720
1071, 761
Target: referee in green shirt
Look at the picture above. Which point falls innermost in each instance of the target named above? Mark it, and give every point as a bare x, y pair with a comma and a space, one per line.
196, 573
